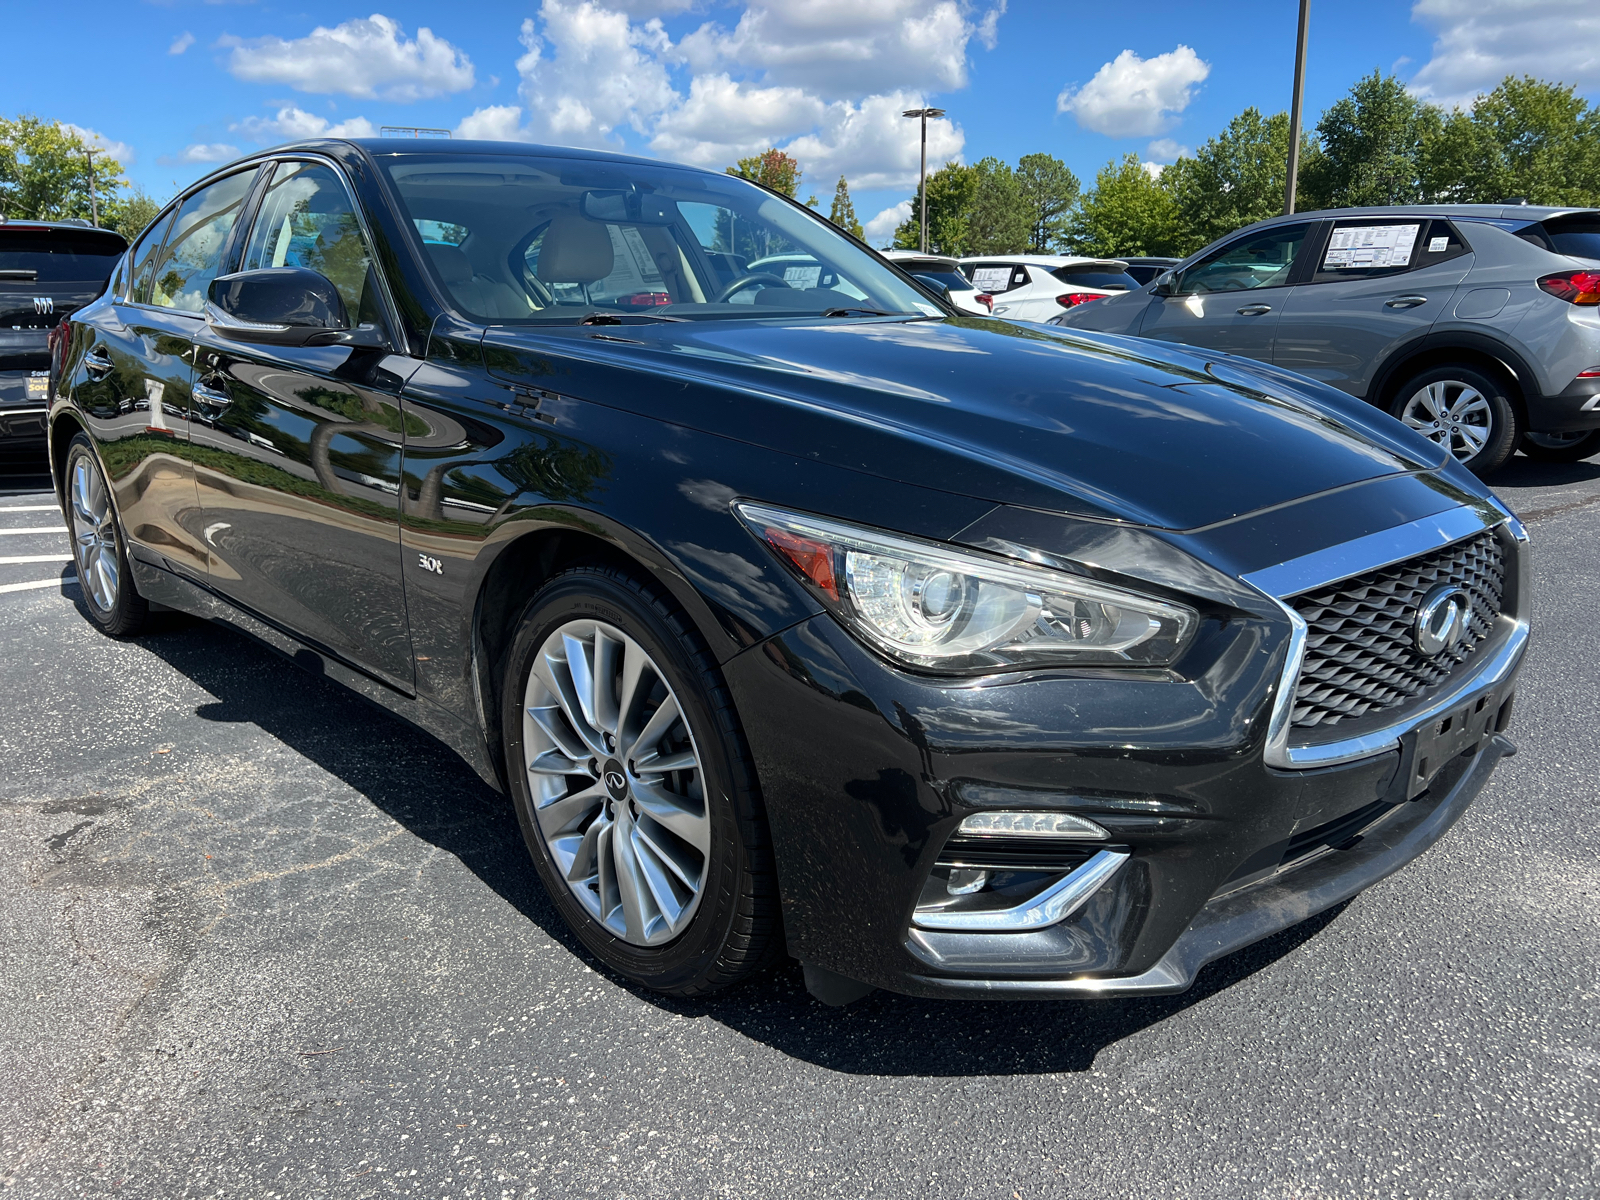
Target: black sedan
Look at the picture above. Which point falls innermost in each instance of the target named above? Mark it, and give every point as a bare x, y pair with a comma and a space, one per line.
795, 611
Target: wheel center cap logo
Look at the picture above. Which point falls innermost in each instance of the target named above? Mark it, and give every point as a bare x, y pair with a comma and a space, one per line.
1442, 620
616, 782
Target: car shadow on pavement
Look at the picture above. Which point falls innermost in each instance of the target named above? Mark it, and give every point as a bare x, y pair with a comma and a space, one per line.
1521, 471
427, 788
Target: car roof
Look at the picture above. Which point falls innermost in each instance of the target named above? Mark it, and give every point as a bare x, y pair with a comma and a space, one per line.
1482, 212
24, 224
1047, 260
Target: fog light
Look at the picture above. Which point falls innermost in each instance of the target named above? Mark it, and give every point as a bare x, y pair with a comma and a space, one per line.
965, 881
1032, 825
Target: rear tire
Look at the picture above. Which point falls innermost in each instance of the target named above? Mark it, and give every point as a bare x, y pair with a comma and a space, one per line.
1465, 410
646, 828
1561, 447
98, 547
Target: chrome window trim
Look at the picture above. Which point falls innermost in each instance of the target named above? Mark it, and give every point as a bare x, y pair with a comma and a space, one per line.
1050, 907
1370, 553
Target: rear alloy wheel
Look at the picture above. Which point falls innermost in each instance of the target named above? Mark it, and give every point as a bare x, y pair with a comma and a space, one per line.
1463, 410
1561, 447
98, 547
632, 785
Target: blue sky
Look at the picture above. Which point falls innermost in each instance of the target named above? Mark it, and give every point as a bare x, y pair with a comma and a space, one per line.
173, 87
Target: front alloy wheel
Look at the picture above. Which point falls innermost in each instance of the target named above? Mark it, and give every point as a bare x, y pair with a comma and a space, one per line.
1464, 411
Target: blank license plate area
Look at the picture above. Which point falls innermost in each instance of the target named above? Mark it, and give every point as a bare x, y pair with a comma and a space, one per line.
1444, 737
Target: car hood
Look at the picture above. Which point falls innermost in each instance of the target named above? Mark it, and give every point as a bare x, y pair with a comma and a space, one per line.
1102, 426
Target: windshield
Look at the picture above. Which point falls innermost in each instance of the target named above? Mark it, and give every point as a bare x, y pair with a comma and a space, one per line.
518, 239
58, 255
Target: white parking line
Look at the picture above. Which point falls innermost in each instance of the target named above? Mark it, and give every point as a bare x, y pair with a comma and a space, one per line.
64, 581
13, 559
30, 508
35, 529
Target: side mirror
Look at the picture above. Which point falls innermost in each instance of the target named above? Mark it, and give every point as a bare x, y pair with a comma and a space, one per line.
284, 306
1165, 285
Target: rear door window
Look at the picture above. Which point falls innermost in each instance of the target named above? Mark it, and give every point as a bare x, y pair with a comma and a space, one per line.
143, 257
1366, 249
192, 255
995, 278
58, 255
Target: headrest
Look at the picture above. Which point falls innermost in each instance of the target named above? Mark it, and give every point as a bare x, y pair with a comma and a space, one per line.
575, 251
451, 262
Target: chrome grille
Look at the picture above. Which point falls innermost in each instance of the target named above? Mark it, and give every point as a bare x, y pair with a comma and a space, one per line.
1361, 654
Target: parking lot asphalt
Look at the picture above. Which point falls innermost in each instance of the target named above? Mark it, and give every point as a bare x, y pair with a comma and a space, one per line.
260, 939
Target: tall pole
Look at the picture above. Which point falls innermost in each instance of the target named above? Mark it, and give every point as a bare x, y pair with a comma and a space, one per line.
1294, 108
94, 204
922, 184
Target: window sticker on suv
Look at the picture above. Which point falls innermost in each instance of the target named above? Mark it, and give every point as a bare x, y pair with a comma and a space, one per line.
1360, 246
991, 279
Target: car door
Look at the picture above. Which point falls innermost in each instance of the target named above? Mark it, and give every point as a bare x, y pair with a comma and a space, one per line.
135, 388
1376, 285
1231, 299
299, 474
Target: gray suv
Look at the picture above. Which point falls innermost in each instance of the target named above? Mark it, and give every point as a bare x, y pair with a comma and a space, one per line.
1477, 325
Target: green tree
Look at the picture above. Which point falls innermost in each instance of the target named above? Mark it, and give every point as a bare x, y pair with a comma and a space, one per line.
773, 169
951, 191
1540, 141
1236, 178
130, 214
998, 220
1127, 212
843, 212
1369, 147
45, 171
1048, 191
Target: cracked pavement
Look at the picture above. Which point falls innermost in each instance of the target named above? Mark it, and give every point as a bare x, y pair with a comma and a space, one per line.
261, 939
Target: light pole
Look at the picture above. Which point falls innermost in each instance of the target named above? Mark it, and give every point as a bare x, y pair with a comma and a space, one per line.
94, 204
1294, 108
922, 179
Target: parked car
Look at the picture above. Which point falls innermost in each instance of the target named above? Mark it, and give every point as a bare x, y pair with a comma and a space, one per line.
951, 656
1476, 325
943, 275
1143, 270
1036, 287
48, 269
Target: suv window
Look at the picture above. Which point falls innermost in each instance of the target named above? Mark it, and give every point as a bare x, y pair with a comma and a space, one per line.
1367, 249
143, 257
58, 255
192, 255
307, 220
995, 278
1089, 275
1262, 260
1577, 236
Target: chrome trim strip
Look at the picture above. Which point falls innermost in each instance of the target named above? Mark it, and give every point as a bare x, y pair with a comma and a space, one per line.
1371, 552
1050, 907
24, 412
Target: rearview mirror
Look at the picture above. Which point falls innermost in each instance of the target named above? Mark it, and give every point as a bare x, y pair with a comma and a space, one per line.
284, 306
630, 206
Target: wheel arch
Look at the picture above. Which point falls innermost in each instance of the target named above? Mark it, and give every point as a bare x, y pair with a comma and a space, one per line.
1474, 350
63, 428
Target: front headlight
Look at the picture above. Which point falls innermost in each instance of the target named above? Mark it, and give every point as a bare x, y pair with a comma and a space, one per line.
940, 608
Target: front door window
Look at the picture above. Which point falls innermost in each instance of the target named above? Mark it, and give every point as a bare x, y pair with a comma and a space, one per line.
1261, 261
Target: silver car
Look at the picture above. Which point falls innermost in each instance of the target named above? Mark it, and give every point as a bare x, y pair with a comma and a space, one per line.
1477, 325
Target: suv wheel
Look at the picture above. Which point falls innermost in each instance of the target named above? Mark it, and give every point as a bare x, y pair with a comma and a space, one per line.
1561, 447
98, 547
1462, 409
633, 787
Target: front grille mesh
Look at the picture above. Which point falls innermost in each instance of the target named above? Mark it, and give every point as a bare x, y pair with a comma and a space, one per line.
1361, 656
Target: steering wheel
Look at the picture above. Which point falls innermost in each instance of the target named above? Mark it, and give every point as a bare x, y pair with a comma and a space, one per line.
766, 278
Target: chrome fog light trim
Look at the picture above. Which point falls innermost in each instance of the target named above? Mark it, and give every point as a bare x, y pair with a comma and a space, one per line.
1032, 825
1050, 907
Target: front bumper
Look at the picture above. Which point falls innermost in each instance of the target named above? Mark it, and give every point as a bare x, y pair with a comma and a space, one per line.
868, 770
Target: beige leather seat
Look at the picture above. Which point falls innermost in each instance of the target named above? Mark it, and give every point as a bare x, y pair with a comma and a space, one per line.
477, 294
575, 251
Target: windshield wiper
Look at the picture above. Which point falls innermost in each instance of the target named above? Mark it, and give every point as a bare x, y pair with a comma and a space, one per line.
604, 318
857, 312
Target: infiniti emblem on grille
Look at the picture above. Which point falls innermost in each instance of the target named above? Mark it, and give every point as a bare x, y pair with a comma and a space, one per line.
1442, 620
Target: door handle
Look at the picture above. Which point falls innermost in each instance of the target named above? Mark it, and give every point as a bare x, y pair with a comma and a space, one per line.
1255, 310
1404, 301
210, 398
97, 363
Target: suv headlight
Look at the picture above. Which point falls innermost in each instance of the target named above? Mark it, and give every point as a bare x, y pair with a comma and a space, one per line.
936, 607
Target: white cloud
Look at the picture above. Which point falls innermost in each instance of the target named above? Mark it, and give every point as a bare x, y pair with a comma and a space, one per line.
367, 58
181, 43
872, 145
1480, 42
880, 230
722, 120
208, 152
1167, 150
497, 123
1136, 97
292, 124
831, 46
120, 151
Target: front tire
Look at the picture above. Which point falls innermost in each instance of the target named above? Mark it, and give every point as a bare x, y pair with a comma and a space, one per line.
98, 546
633, 787
1464, 410
1561, 447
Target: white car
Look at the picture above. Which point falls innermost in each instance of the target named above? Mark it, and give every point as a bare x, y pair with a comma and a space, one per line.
1036, 287
943, 275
